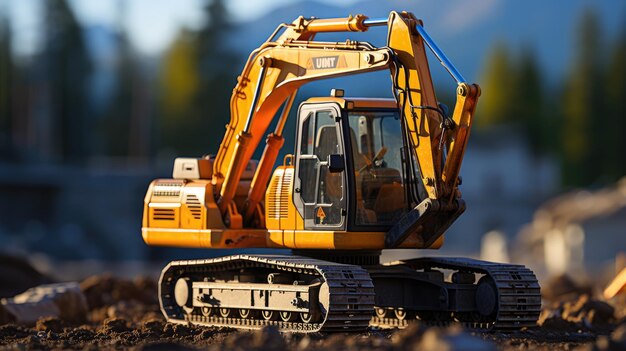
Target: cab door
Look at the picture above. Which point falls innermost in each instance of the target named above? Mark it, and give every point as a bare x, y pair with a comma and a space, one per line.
320, 190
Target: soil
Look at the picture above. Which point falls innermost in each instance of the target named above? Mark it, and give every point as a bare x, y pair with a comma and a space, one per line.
124, 314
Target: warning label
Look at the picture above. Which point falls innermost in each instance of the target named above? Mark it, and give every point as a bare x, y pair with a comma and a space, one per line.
320, 214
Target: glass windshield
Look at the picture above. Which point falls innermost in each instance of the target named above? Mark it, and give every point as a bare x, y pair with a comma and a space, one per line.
376, 139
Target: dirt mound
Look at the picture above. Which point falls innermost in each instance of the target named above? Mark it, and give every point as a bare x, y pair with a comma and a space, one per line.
110, 297
582, 313
105, 290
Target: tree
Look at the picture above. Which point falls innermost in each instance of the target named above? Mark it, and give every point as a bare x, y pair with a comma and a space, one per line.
120, 121
528, 102
195, 89
497, 99
582, 108
218, 72
7, 69
66, 70
614, 145
180, 124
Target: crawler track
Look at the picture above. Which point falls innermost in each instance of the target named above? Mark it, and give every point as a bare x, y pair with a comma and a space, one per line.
346, 303
349, 297
518, 298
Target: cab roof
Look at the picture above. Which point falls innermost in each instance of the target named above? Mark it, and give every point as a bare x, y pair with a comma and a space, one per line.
350, 103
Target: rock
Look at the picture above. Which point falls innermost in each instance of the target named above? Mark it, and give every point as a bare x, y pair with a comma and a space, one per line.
206, 333
168, 330
80, 335
584, 313
181, 330
11, 331
32, 342
64, 300
154, 325
115, 325
49, 324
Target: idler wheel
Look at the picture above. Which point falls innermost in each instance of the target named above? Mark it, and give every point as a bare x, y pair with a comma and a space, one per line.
181, 292
486, 297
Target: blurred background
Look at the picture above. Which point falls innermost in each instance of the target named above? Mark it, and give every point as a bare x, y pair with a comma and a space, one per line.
97, 98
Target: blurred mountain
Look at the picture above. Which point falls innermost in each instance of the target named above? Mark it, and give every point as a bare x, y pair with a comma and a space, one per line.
465, 30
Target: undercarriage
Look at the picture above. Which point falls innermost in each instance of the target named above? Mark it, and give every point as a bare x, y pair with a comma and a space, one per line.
302, 294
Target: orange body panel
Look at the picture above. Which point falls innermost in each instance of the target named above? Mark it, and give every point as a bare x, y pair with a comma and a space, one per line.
279, 239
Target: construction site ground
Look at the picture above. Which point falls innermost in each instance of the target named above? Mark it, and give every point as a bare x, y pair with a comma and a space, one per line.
124, 314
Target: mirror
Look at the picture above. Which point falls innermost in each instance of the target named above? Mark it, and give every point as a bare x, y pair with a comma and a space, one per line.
335, 163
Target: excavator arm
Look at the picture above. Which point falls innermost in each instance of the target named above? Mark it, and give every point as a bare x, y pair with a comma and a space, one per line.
276, 70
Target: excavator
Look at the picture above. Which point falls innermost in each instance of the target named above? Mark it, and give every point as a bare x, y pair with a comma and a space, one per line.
367, 174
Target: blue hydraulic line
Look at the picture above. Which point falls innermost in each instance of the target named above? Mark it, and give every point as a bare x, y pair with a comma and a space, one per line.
375, 22
445, 62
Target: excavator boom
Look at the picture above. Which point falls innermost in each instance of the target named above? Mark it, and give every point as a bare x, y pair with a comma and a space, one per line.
276, 70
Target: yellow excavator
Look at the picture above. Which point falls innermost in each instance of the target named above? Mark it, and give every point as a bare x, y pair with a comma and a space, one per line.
365, 175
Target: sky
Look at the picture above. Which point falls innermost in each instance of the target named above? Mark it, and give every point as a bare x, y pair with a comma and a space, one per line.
152, 24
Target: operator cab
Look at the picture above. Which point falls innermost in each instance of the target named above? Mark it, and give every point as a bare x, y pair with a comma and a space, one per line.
350, 161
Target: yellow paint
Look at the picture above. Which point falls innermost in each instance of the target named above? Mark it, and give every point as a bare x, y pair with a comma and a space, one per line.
467, 97
422, 124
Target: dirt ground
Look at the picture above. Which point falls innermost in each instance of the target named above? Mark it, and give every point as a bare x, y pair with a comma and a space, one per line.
124, 314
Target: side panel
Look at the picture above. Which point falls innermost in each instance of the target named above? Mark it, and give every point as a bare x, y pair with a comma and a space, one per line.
181, 204
280, 211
